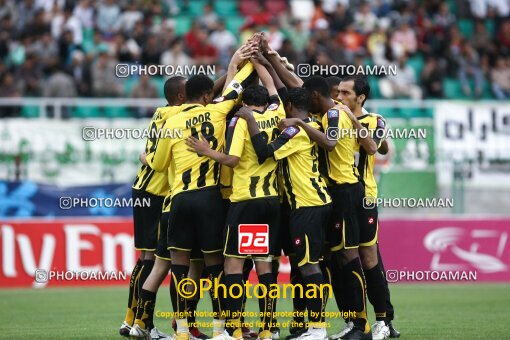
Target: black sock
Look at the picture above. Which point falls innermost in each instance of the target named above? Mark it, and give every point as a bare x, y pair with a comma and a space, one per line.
144, 274
233, 305
267, 303
339, 290
314, 305
298, 301
213, 273
390, 312
179, 303
247, 267
326, 275
145, 310
133, 293
192, 308
376, 291
355, 285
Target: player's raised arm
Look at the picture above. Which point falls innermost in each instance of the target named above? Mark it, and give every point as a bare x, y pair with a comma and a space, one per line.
287, 77
325, 142
203, 148
243, 53
264, 76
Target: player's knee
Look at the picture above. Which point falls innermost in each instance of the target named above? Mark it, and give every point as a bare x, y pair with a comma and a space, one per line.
180, 257
212, 259
309, 269
233, 266
263, 267
368, 257
149, 255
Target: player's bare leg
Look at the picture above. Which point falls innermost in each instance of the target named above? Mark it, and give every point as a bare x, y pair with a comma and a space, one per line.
376, 290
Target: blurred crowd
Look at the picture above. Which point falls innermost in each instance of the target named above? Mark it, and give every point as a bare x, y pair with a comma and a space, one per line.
66, 48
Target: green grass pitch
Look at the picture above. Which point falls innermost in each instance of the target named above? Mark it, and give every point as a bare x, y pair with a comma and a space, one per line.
423, 311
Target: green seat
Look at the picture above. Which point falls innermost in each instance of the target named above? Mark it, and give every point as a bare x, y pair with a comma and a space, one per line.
192, 7
86, 112
387, 112
159, 83
466, 27
182, 24
416, 62
226, 8
128, 84
234, 23
116, 112
374, 88
491, 27
452, 89
414, 112
30, 111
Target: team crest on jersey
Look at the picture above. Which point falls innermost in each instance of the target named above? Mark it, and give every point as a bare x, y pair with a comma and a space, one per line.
337, 225
332, 113
297, 241
233, 122
380, 122
219, 99
272, 107
291, 131
370, 220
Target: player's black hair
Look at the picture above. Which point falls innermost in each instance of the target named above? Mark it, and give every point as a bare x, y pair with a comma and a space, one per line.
361, 85
171, 88
256, 95
197, 86
299, 98
333, 81
317, 83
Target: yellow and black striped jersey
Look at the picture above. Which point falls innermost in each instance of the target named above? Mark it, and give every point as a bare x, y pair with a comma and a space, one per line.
365, 162
340, 161
147, 179
193, 171
251, 179
304, 186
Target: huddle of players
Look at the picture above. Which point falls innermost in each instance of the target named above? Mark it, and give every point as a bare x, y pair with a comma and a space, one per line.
260, 168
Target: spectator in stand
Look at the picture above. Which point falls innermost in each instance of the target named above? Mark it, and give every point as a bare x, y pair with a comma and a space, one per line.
298, 35
191, 37
288, 51
443, 19
258, 18
97, 45
481, 38
500, 78
66, 47
31, 77
108, 16
38, 26
46, 50
208, 19
84, 12
128, 19
403, 40
126, 51
9, 89
67, 22
144, 89
274, 35
80, 71
340, 19
364, 19
25, 14
204, 53
503, 37
376, 45
403, 84
352, 41
151, 52
225, 41
432, 77
469, 67
175, 54
59, 84
104, 81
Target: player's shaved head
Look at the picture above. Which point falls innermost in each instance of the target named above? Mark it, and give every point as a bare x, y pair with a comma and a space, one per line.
333, 82
198, 86
317, 84
298, 99
175, 90
256, 95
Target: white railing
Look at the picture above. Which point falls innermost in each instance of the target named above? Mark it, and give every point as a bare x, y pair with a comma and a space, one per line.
44, 103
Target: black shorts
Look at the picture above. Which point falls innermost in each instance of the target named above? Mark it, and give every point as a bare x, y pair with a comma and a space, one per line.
196, 221
256, 211
308, 227
146, 220
344, 229
369, 225
162, 250
285, 240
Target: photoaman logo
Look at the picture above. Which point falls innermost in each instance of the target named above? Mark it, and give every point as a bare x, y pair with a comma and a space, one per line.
253, 239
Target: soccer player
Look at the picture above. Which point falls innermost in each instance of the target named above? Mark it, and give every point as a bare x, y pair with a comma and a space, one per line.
254, 198
346, 192
196, 206
307, 196
353, 92
153, 185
